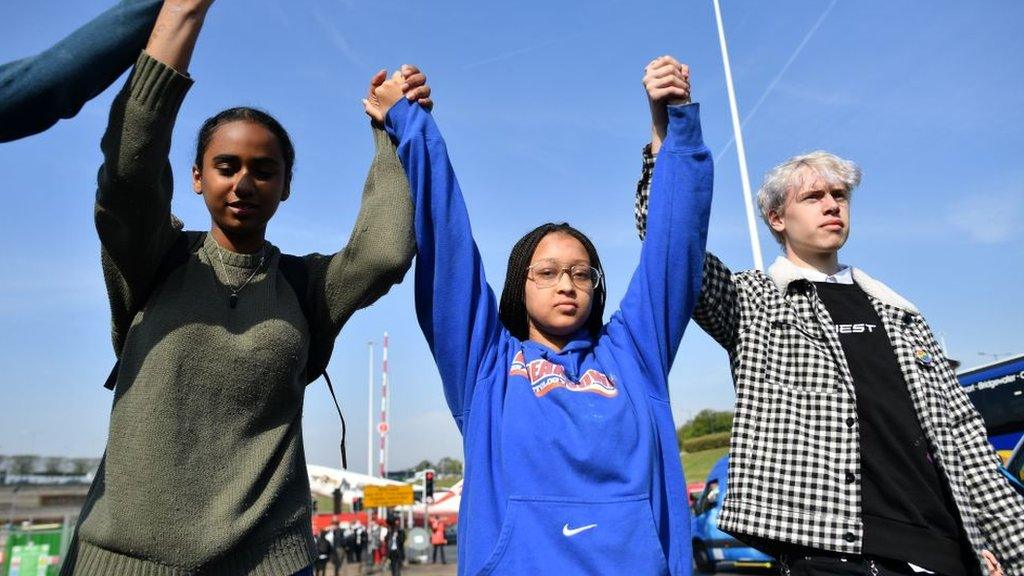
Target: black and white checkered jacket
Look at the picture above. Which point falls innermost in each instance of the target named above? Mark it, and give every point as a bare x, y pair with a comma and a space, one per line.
795, 452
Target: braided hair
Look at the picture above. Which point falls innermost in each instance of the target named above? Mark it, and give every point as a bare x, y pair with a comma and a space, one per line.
512, 309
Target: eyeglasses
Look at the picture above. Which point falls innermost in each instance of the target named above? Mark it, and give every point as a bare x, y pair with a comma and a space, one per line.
546, 274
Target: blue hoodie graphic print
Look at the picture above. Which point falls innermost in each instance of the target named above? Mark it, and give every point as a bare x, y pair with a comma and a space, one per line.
572, 465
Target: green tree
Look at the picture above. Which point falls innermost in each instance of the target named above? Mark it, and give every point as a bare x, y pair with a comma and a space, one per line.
706, 422
448, 466
81, 466
52, 465
23, 464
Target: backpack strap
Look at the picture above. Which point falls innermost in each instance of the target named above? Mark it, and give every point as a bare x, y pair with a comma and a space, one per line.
295, 272
185, 245
330, 388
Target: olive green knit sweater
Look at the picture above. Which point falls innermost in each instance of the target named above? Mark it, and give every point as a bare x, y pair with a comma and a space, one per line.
204, 471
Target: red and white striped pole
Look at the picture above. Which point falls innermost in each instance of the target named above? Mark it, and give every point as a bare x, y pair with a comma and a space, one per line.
383, 427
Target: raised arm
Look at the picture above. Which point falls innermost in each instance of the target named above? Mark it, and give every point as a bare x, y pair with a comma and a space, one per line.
717, 310
378, 254
455, 306
664, 288
37, 91
133, 201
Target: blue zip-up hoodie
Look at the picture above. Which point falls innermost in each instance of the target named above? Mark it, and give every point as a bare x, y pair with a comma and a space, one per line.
572, 465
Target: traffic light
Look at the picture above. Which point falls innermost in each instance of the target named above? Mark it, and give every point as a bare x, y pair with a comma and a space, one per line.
428, 485
357, 504
337, 500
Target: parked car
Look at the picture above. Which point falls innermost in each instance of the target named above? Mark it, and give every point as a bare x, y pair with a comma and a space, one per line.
712, 548
1014, 470
693, 491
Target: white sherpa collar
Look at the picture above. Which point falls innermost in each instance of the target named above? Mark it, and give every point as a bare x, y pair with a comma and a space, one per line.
783, 272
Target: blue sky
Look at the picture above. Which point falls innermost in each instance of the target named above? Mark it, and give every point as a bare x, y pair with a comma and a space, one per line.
544, 113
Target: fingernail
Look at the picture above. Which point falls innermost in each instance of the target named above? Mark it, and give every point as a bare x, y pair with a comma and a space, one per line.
405, 86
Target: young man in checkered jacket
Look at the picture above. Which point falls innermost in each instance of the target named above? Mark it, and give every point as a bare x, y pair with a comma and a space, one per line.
854, 449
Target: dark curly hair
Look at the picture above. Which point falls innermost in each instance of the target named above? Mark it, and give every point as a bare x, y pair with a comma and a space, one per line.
512, 309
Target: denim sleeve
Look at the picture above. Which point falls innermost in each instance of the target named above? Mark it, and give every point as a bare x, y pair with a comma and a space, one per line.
37, 91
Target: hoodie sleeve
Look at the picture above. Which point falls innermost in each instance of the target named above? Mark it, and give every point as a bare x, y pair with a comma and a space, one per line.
664, 289
455, 306
717, 309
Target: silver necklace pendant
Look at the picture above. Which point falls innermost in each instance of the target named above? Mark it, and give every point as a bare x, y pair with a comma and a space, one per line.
233, 297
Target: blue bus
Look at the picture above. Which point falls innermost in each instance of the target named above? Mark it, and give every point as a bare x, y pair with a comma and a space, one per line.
997, 391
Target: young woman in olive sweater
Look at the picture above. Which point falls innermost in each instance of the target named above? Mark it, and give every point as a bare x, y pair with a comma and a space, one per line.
204, 471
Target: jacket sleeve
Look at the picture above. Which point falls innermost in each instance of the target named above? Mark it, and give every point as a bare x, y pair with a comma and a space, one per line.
37, 91
664, 288
378, 253
133, 200
998, 509
454, 304
717, 309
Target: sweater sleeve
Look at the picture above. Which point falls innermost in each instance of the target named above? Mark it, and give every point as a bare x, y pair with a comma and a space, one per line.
454, 304
664, 289
133, 201
378, 253
37, 91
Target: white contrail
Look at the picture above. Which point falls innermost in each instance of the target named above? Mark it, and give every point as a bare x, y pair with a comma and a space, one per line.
339, 40
524, 50
778, 77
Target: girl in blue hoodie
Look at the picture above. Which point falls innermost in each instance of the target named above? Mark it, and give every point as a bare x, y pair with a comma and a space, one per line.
572, 465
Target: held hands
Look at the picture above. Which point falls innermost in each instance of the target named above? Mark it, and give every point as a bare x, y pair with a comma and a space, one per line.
383, 92
991, 564
667, 82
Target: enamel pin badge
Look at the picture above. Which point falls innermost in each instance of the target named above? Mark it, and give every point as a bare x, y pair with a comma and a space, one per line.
923, 357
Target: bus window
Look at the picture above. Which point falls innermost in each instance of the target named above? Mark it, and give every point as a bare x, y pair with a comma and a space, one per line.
997, 391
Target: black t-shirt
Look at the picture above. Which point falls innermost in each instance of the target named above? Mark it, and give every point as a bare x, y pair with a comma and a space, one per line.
907, 510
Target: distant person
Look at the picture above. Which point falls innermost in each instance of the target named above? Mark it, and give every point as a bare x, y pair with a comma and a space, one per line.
438, 539
349, 543
362, 539
396, 547
204, 466
566, 422
37, 91
337, 547
854, 448
323, 552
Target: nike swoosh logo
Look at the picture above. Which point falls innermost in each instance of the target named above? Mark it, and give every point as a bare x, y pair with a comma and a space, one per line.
569, 532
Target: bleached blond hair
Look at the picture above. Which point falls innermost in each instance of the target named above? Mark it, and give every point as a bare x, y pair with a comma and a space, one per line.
779, 181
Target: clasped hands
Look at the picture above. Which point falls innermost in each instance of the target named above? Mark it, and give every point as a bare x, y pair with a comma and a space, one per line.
383, 92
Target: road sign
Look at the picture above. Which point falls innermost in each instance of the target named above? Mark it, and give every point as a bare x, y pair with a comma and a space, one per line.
387, 496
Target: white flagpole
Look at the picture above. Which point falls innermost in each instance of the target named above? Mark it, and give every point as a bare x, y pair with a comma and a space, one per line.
741, 154
369, 417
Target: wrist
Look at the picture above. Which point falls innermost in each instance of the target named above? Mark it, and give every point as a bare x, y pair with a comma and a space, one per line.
189, 8
658, 133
